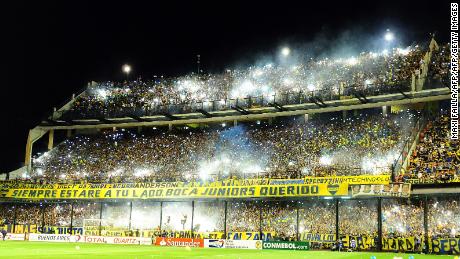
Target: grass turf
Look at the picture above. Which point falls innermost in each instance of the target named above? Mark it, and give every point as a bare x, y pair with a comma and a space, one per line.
35, 250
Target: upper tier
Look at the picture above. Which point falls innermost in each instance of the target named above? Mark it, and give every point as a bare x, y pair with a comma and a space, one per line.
259, 86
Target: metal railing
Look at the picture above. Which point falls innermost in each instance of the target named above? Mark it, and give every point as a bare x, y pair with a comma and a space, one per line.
178, 107
406, 149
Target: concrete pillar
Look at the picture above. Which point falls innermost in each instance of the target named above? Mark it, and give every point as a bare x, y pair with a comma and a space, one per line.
170, 126
69, 133
50, 139
139, 129
235, 123
385, 111
355, 113
305, 118
344, 115
114, 129
29, 146
34, 135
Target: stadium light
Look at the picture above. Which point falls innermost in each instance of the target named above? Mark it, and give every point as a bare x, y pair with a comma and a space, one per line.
389, 36
285, 51
126, 69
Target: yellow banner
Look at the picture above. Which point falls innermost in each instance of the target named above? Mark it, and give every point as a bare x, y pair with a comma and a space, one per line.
363, 242
251, 235
351, 180
317, 238
444, 245
400, 244
108, 191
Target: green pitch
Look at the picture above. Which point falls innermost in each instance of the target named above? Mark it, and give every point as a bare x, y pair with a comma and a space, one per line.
36, 250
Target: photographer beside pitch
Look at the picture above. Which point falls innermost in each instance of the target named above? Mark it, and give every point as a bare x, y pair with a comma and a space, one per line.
4, 232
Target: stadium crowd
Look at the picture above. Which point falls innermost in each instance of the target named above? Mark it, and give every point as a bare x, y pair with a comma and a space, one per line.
244, 216
353, 146
436, 157
366, 143
358, 217
280, 218
438, 70
400, 218
444, 217
285, 83
317, 217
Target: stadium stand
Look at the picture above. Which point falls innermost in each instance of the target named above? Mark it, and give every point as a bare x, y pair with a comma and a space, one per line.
317, 148
330, 149
371, 73
437, 157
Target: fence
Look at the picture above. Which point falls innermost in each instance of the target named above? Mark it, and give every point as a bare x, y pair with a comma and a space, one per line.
289, 98
301, 219
403, 157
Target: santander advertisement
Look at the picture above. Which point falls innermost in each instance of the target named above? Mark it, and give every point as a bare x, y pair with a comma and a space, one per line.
190, 242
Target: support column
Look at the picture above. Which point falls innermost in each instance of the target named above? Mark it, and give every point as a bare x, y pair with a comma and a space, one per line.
270, 121
130, 214
50, 139
114, 128
43, 218
412, 83
337, 219
306, 117
344, 115
385, 111
379, 226
34, 135
139, 129
297, 223
193, 214
260, 221
170, 126
71, 219
425, 224
15, 216
225, 219
235, 123
100, 219
69, 133
161, 215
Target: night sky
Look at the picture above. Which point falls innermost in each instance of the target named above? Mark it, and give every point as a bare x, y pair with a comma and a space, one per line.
53, 48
